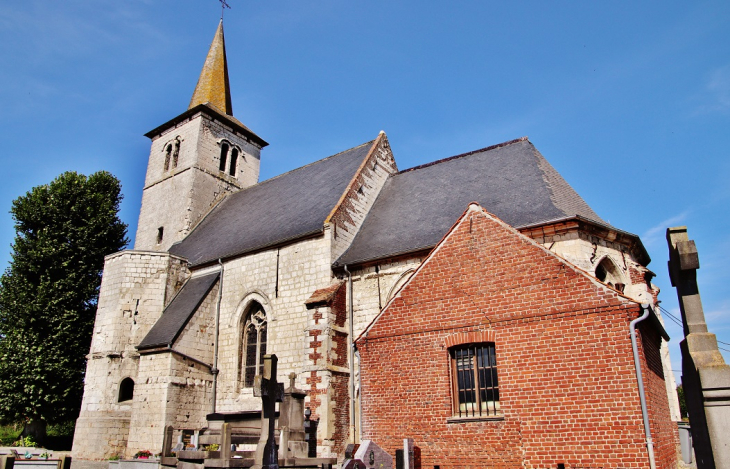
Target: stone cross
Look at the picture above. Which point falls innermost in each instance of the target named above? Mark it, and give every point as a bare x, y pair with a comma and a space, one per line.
705, 375
270, 392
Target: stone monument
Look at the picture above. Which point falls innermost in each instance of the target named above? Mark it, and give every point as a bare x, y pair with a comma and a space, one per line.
705, 375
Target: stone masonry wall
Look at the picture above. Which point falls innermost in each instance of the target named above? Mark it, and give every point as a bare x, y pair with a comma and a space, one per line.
568, 392
149, 408
134, 290
176, 199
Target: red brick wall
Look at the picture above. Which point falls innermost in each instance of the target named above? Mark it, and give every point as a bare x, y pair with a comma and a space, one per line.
568, 389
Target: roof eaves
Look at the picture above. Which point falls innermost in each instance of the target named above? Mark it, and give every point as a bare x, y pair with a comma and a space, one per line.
212, 112
280, 242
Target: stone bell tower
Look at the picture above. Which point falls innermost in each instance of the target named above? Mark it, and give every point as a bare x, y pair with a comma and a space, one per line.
196, 159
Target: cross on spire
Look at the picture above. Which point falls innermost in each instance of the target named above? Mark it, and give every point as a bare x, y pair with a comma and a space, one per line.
224, 5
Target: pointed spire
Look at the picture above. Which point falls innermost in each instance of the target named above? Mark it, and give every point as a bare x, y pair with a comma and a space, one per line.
212, 85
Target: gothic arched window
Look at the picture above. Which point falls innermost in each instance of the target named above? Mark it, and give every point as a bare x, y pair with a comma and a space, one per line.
253, 345
168, 155
234, 160
126, 390
224, 156
176, 152
608, 273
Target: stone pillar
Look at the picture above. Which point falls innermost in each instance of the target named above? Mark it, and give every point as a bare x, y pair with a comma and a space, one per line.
706, 377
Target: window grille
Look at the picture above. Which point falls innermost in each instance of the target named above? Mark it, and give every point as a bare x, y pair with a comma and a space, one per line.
476, 389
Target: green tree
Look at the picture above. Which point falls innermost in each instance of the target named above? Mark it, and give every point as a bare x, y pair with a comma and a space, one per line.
49, 292
682, 402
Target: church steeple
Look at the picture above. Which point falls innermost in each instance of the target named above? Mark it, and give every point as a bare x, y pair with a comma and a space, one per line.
213, 85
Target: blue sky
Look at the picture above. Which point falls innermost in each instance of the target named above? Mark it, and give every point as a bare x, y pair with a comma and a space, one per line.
630, 101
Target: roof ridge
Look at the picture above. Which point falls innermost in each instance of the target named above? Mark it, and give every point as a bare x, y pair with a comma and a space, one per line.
443, 160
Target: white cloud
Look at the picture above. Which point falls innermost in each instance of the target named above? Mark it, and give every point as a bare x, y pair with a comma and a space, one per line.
656, 233
715, 97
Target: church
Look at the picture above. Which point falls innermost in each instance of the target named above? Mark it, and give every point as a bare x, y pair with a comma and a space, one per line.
309, 265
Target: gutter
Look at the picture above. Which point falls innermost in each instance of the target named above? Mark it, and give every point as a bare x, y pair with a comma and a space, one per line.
214, 369
642, 396
351, 355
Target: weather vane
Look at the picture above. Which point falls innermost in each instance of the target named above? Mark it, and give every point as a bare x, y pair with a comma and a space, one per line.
224, 5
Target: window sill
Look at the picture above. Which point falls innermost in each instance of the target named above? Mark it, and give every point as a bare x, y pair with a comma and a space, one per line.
478, 418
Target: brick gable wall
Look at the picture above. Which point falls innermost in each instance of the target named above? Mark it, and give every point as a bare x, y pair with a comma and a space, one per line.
568, 389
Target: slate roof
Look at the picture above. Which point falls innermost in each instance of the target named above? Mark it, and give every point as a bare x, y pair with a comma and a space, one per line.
178, 312
418, 206
290, 206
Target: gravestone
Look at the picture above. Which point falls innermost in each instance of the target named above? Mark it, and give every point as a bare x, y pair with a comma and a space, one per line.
270, 392
373, 456
292, 438
353, 464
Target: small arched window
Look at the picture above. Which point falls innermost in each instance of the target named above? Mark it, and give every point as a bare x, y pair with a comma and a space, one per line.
234, 160
126, 390
168, 156
175, 152
608, 273
224, 156
252, 345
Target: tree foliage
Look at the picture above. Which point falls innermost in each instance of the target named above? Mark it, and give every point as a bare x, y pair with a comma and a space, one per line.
49, 292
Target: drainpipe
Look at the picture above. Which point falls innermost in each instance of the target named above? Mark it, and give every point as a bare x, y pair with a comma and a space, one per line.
632, 327
351, 355
214, 370
359, 396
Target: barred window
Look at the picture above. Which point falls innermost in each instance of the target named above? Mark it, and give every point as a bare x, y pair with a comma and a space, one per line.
476, 389
253, 345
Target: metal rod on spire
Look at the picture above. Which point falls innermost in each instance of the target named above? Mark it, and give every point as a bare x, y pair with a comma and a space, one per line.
224, 5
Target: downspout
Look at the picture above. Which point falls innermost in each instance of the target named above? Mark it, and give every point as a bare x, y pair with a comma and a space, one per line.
359, 395
214, 370
351, 355
637, 364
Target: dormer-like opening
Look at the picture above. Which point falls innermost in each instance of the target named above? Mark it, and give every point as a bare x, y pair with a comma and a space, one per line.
224, 155
126, 390
234, 160
608, 273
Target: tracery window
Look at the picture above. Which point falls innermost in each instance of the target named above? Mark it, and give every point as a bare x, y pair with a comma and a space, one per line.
253, 345
475, 384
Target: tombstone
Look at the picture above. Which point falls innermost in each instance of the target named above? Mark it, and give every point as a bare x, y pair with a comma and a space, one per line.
373, 456
292, 436
350, 450
7, 461
353, 464
409, 457
310, 433
270, 392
